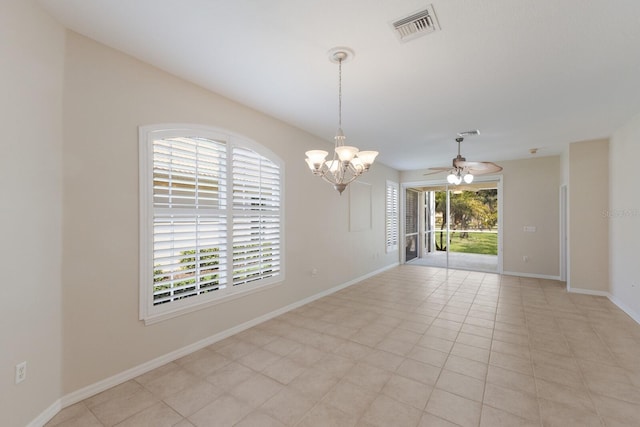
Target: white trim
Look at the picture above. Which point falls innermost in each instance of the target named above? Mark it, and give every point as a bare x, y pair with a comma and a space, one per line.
144, 223
567, 243
532, 275
401, 224
631, 313
564, 221
500, 224
46, 415
100, 386
588, 292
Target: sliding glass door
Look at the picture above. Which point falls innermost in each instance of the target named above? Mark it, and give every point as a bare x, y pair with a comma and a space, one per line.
412, 224
436, 233
459, 226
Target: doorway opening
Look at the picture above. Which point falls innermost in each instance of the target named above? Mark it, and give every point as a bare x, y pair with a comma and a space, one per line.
454, 226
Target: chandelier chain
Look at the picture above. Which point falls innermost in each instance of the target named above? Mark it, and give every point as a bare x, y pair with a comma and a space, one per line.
340, 93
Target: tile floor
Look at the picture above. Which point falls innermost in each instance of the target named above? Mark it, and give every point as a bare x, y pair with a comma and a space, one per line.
414, 346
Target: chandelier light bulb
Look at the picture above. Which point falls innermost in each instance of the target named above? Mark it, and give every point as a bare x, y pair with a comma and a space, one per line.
358, 165
332, 166
315, 158
367, 158
310, 164
451, 178
346, 153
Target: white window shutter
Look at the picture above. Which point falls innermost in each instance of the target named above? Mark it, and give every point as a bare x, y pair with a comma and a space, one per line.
189, 227
392, 214
256, 218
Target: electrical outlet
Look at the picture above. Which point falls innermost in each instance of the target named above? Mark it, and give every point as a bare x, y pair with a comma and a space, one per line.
21, 372
525, 258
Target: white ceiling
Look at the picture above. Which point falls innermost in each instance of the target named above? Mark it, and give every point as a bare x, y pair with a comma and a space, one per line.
527, 73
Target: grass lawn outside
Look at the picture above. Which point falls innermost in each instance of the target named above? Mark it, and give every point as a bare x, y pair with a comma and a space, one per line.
476, 243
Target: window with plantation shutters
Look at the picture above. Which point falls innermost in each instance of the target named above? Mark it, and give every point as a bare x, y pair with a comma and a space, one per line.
256, 217
210, 218
391, 216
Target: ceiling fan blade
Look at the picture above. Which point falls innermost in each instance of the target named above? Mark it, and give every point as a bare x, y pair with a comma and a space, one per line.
435, 171
466, 164
487, 167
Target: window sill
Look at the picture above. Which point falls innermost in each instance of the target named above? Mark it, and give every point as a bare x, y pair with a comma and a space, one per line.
205, 302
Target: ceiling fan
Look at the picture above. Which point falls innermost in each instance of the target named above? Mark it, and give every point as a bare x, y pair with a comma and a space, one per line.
462, 170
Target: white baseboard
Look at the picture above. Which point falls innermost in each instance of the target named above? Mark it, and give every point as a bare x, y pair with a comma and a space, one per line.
633, 314
587, 292
107, 383
47, 414
532, 275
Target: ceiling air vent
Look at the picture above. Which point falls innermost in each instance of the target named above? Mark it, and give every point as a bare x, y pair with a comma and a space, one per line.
416, 25
469, 132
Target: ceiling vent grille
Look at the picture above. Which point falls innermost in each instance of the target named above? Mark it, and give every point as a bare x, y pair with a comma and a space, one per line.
416, 25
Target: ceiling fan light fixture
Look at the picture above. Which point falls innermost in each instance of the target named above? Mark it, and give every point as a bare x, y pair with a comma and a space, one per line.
468, 178
463, 170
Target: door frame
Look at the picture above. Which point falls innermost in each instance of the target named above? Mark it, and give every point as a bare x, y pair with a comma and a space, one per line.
564, 233
404, 228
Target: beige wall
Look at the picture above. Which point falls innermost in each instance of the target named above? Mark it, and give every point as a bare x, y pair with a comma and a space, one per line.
588, 226
31, 77
624, 218
107, 96
530, 198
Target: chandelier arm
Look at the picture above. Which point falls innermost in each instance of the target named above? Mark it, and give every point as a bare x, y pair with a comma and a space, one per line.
341, 181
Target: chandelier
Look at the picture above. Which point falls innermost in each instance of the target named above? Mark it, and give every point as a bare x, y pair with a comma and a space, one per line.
348, 162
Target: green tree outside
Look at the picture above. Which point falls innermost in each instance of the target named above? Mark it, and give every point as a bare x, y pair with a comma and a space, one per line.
470, 211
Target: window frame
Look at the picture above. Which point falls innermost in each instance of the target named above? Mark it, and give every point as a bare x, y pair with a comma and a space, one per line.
150, 313
392, 210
